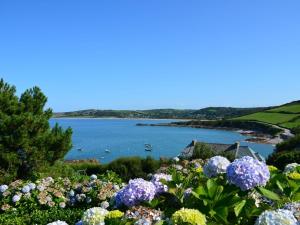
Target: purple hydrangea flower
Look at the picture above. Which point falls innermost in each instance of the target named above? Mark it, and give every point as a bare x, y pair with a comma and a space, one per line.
215, 165
247, 173
138, 190
156, 180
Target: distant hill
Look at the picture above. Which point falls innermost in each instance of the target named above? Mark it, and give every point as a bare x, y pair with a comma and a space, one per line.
287, 115
204, 114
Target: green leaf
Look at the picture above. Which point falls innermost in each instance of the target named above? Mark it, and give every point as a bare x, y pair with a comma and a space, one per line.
296, 197
269, 194
279, 185
222, 213
238, 208
201, 191
211, 188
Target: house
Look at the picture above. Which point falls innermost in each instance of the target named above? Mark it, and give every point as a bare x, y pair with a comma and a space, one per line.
236, 149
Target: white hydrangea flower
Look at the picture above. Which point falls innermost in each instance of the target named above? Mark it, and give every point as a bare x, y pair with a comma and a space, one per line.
290, 167
104, 204
276, 217
94, 216
3, 188
215, 165
93, 177
58, 222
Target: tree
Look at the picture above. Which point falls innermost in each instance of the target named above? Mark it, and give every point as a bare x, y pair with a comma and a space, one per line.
27, 142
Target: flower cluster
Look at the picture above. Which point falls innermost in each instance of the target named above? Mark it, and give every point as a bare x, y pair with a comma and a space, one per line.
276, 217
215, 166
137, 191
188, 216
156, 180
144, 215
247, 173
60, 192
94, 216
294, 207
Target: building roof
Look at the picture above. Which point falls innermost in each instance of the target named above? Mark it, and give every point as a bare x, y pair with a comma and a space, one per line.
236, 149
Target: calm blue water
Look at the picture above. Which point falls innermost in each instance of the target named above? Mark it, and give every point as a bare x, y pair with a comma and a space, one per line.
124, 138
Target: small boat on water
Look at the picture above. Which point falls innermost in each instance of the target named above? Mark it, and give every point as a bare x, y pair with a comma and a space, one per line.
107, 150
79, 149
148, 147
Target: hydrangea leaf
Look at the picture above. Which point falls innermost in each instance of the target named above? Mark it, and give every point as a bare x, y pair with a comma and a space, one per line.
269, 194
239, 207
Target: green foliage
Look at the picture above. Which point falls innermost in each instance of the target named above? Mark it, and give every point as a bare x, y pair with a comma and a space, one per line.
286, 152
290, 144
27, 143
127, 168
236, 124
202, 151
41, 217
281, 159
132, 167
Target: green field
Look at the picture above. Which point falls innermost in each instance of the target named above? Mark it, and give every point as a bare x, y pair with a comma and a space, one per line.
287, 116
288, 109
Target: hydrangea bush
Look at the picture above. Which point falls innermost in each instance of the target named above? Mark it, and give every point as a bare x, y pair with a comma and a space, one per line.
184, 193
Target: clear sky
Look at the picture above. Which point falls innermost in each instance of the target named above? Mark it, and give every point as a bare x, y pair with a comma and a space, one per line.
140, 54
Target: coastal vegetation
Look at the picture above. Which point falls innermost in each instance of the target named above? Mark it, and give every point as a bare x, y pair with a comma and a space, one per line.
205, 113
286, 152
27, 143
230, 124
287, 116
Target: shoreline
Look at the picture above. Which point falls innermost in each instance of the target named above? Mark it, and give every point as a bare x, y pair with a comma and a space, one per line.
117, 118
254, 137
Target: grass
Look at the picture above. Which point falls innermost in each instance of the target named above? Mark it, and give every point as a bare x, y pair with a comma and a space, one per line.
287, 109
287, 116
273, 118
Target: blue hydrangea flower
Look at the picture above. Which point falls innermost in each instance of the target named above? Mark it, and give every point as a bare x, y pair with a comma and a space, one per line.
215, 166
32, 186
3, 188
276, 217
16, 198
247, 173
156, 180
26, 189
137, 191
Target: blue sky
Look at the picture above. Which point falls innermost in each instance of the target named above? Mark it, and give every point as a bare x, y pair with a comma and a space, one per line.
140, 54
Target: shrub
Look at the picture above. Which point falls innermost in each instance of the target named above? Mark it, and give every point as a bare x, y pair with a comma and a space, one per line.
42, 217
281, 159
202, 151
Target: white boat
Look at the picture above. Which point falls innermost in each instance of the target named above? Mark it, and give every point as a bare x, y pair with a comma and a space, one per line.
107, 150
